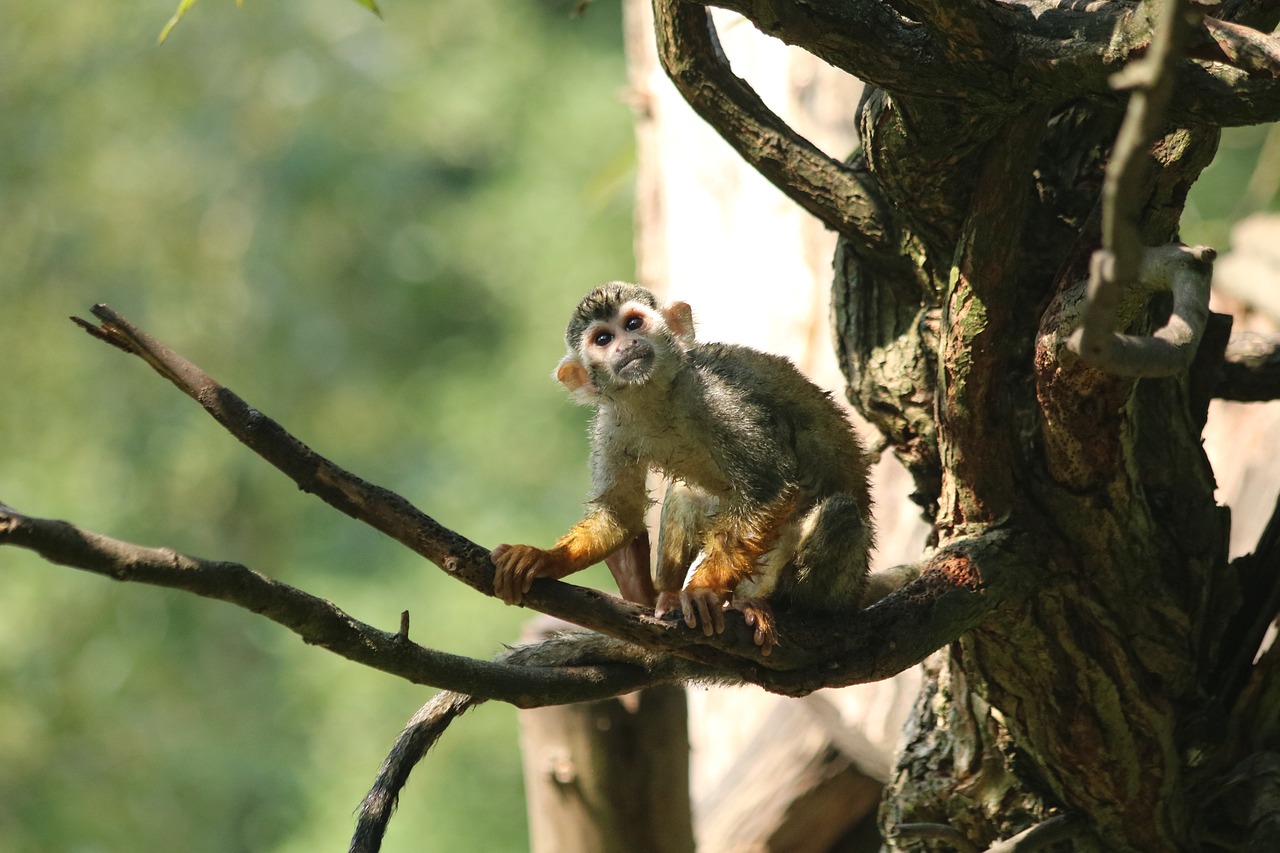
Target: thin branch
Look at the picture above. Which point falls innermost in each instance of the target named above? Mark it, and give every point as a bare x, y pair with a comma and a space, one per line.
1121, 266
949, 835
962, 584
690, 51
1113, 302
1050, 831
316, 621
1250, 369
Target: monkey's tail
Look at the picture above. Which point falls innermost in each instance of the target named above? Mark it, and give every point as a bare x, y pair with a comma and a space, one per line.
420, 734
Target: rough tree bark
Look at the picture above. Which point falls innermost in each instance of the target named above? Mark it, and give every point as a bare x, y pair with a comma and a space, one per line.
1122, 692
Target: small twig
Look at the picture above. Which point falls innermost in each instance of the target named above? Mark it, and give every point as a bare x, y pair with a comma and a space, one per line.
953, 837
1119, 265
1055, 829
404, 625
1186, 274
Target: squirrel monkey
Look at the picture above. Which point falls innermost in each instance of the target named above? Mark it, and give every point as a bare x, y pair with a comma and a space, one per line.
768, 502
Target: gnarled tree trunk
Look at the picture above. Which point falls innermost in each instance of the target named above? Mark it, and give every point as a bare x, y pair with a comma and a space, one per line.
1119, 692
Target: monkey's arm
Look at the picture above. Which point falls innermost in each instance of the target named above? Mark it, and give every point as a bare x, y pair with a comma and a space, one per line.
615, 518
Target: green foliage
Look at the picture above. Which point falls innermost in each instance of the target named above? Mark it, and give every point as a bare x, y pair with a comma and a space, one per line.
1243, 179
187, 4
372, 231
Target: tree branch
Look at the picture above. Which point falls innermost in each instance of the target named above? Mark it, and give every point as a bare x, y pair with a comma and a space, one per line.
996, 58
1232, 44
1259, 574
1113, 301
1151, 80
1122, 272
840, 197
957, 591
316, 621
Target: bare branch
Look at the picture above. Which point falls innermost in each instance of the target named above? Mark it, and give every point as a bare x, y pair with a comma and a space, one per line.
1183, 272
954, 593
1122, 271
1049, 831
316, 621
1151, 80
1251, 369
1247, 49
1000, 57
949, 835
842, 198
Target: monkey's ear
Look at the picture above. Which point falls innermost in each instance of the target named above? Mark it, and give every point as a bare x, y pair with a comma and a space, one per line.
573, 375
679, 317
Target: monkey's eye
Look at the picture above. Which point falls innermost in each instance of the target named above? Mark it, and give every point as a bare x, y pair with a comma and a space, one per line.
634, 322
602, 339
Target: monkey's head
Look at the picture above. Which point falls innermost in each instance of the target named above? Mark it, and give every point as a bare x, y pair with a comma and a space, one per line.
621, 337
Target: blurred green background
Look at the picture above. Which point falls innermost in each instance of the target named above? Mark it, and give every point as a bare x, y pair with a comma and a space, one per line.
373, 231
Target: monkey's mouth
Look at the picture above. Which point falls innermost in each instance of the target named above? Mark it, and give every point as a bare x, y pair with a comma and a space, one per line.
634, 364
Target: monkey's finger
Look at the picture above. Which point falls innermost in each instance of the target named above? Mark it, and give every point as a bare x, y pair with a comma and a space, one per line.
687, 610
706, 611
667, 601
501, 584
506, 587
707, 615
528, 577
764, 639
717, 617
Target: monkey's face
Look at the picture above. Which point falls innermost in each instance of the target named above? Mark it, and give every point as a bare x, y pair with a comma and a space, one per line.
626, 349
620, 338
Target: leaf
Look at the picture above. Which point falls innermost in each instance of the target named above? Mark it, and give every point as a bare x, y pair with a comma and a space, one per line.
177, 16
372, 6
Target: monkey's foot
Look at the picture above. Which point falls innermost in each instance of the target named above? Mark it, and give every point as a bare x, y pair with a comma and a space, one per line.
705, 606
759, 615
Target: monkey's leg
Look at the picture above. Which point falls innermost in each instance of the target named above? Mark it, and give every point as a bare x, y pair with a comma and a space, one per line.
752, 595
682, 527
629, 566
735, 551
831, 559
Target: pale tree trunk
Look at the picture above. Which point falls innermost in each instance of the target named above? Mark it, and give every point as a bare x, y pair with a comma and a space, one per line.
768, 773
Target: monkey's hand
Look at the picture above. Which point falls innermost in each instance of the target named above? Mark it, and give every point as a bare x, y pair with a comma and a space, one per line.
759, 615
518, 566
